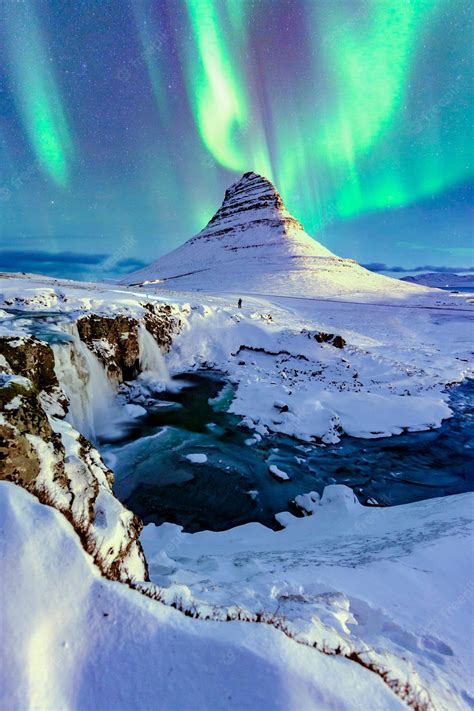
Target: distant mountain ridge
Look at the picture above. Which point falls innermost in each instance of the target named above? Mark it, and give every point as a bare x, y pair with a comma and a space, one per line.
254, 245
442, 279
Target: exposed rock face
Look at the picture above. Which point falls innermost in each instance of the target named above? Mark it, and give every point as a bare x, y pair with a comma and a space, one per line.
252, 201
23, 418
114, 340
45, 455
31, 359
162, 324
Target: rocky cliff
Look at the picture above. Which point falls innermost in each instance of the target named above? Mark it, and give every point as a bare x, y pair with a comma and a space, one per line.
115, 340
45, 454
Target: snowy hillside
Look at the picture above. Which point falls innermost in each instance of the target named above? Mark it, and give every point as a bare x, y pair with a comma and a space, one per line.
346, 576
253, 245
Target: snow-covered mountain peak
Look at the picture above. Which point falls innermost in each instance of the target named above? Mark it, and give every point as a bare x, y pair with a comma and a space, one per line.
252, 192
253, 214
251, 182
254, 245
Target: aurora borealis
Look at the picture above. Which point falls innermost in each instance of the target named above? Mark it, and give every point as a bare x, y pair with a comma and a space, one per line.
124, 122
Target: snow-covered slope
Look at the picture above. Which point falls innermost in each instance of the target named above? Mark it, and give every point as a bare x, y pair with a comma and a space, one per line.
73, 640
271, 347
387, 587
395, 582
253, 245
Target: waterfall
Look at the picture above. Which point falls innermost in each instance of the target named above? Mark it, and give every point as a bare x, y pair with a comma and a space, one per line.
93, 407
152, 362
92, 410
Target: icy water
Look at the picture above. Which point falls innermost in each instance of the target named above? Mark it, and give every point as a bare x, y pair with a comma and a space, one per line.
42, 324
458, 289
156, 480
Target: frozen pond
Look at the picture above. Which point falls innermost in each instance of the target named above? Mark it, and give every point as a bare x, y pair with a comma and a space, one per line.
156, 479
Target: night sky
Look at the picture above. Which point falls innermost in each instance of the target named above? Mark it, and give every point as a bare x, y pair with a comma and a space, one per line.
123, 121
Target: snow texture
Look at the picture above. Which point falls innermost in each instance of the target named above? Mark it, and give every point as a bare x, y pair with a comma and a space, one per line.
393, 584
253, 245
71, 639
196, 458
329, 349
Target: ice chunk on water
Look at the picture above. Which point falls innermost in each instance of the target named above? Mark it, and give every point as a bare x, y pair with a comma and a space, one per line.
133, 410
278, 473
197, 458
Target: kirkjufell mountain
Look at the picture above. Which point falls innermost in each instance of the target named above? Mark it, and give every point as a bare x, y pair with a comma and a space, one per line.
254, 245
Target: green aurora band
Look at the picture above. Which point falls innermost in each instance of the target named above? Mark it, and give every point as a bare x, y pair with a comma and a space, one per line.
134, 120
37, 95
344, 155
217, 87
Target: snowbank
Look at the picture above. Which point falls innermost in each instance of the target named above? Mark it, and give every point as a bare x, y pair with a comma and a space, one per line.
394, 584
71, 639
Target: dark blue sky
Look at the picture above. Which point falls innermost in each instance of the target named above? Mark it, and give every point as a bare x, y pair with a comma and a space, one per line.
122, 123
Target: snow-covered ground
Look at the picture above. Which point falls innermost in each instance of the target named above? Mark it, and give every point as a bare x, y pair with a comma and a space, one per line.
254, 245
393, 584
73, 640
389, 376
388, 588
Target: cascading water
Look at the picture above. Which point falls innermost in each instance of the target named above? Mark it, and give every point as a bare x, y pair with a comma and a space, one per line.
93, 407
84, 381
152, 362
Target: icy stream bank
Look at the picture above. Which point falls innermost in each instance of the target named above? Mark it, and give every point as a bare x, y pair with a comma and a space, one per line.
155, 446
155, 478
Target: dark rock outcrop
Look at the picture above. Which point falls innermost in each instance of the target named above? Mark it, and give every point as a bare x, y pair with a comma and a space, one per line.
336, 341
114, 340
162, 323
322, 337
44, 454
23, 416
31, 359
